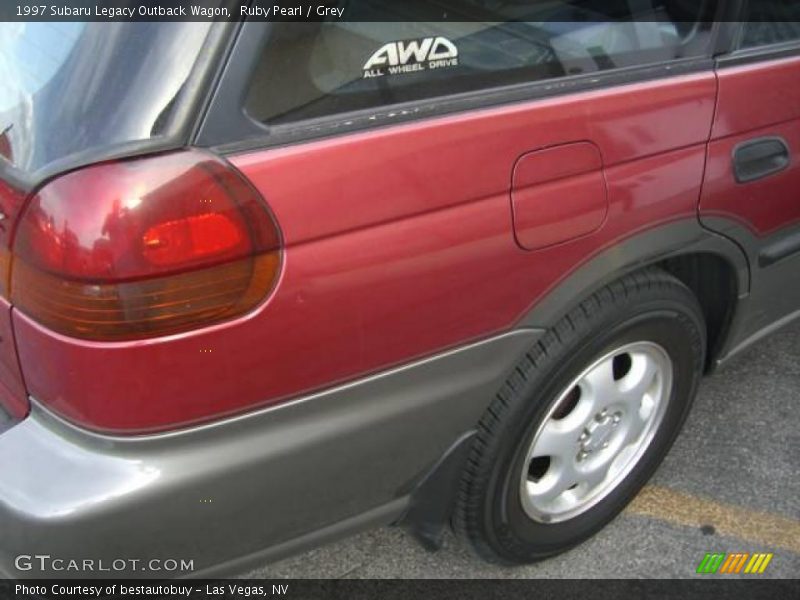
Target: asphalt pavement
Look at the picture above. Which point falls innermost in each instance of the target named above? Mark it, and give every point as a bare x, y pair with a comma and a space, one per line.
730, 484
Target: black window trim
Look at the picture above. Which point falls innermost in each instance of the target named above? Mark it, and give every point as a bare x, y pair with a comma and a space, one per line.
756, 54
228, 129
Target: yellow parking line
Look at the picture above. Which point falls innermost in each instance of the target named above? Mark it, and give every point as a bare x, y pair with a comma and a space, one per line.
767, 529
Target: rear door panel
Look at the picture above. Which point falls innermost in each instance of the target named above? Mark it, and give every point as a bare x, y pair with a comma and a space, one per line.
756, 101
759, 103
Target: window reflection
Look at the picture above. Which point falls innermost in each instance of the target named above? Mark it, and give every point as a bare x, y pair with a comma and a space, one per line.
66, 88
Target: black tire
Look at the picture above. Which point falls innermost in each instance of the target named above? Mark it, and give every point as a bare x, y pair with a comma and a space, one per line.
650, 305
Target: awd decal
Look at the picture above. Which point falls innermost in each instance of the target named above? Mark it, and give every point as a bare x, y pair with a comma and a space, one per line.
741, 562
411, 56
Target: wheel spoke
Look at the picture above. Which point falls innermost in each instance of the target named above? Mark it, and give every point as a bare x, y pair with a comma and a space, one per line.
599, 386
595, 474
556, 438
635, 426
639, 379
561, 476
634, 388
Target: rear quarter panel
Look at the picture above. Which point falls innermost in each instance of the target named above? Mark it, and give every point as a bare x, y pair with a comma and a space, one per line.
399, 244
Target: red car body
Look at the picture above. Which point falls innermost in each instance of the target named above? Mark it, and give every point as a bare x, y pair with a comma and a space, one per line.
399, 245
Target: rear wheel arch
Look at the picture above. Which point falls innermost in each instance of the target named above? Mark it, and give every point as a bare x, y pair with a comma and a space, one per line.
712, 279
713, 267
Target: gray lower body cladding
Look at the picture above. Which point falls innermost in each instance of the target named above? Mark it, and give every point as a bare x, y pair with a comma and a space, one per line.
253, 487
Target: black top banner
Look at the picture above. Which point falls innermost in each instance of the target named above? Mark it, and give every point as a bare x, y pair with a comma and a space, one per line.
387, 10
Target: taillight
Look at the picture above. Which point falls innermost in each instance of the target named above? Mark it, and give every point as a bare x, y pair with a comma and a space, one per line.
5, 269
144, 247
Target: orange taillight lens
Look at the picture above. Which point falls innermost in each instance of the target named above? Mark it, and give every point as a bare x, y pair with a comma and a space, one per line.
144, 247
5, 270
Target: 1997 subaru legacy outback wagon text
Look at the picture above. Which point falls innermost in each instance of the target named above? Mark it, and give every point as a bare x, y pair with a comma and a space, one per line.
266, 284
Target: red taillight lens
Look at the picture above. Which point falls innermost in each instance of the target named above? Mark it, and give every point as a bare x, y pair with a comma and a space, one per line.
144, 247
201, 235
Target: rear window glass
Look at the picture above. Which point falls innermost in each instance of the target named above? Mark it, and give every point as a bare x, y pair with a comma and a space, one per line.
68, 87
316, 69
